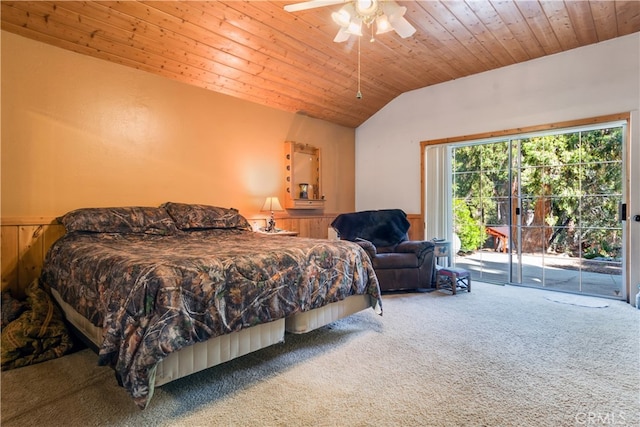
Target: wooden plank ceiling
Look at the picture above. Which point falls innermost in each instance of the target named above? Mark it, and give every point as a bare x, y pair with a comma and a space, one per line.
256, 51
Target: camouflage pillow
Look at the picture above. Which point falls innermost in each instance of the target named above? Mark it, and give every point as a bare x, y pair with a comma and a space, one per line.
198, 217
147, 220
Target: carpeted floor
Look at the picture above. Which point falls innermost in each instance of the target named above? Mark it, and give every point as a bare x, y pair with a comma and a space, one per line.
498, 356
580, 300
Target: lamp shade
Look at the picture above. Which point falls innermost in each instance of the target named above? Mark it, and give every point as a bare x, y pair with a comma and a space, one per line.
355, 27
383, 25
272, 204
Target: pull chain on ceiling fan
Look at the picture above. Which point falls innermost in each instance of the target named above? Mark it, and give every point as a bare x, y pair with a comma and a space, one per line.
387, 15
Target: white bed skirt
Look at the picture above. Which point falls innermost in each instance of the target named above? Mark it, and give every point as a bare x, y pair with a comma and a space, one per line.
223, 348
309, 320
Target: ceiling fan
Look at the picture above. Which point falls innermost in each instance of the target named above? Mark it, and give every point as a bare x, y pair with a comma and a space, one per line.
386, 14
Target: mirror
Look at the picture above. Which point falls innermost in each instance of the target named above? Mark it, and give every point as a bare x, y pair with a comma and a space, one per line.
303, 180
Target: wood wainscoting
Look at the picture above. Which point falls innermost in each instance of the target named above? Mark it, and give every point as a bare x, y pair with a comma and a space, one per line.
318, 226
25, 242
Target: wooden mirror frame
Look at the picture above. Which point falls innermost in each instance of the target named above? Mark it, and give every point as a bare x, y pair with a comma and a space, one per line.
303, 177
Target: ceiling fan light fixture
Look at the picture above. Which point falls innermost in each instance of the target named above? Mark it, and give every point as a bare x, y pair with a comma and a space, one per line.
383, 25
355, 27
353, 13
386, 14
366, 7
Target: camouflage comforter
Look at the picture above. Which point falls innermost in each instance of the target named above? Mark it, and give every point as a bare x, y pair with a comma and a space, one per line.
154, 294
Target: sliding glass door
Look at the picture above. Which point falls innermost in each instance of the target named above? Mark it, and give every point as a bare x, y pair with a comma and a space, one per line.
481, 187
542, 209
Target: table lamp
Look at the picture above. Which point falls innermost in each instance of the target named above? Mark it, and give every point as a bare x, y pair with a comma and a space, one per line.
270, 205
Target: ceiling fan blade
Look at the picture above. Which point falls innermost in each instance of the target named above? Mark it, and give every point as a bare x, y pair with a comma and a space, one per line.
342, 36
311, 4
403, 27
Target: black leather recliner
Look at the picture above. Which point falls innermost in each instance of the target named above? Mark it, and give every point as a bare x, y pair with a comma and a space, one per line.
399, 263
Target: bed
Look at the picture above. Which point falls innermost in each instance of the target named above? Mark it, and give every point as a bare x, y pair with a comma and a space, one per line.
164, 292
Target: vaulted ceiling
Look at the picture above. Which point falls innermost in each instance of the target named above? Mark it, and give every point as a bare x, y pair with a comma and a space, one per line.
255, 50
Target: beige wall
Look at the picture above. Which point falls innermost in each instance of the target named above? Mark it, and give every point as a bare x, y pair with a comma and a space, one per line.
78, 131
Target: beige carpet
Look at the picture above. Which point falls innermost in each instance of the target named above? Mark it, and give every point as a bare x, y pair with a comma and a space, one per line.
581, 300
499, 356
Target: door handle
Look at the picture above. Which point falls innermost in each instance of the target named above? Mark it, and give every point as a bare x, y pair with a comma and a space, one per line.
636, 218
622, 212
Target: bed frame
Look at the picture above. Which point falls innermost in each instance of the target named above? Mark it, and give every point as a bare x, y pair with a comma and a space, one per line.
223, 348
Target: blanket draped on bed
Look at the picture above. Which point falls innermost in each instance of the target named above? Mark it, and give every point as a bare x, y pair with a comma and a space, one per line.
154, 294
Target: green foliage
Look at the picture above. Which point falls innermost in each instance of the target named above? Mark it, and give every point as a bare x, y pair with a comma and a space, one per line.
578, 174
470, 231
602, 250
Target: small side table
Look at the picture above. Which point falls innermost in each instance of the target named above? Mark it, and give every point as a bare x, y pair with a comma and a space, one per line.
442, 250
